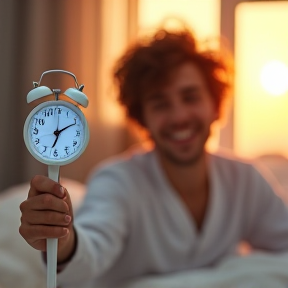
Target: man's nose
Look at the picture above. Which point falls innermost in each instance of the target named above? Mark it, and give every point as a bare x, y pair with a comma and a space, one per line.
179, 112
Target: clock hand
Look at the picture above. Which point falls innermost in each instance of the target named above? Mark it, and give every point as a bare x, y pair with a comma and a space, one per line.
55, 139
57, 120
57, 132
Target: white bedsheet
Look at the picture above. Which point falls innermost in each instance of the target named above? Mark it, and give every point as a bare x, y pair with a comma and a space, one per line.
21, 266
253, 271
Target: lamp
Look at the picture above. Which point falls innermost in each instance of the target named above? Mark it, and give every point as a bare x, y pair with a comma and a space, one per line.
274, 77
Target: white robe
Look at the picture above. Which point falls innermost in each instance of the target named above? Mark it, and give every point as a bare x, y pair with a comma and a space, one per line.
133, 224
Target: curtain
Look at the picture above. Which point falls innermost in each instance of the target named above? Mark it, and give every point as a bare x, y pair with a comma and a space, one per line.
71, 35
83, 37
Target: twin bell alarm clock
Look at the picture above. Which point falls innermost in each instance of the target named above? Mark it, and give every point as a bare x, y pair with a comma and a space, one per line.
56, 132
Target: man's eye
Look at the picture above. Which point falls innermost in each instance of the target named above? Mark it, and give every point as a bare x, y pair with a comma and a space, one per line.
160, 106
192, 98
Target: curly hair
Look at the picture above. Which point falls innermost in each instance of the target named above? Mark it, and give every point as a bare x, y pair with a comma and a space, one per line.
148, 64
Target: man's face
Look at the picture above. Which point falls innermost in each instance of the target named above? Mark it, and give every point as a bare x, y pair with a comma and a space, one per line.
178, 116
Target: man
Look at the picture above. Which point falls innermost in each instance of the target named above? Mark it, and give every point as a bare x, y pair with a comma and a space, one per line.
173, 208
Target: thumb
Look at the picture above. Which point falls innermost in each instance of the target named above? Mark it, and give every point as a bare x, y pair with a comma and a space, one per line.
67, 199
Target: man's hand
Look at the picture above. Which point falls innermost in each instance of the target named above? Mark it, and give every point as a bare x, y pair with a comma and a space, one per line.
48, 213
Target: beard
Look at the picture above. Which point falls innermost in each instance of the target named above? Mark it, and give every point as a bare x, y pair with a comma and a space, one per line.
179, 161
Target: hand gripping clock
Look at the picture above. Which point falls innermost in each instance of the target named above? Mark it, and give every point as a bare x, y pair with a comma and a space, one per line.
56, 133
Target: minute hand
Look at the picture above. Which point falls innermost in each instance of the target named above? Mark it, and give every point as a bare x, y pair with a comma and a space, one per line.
57, 133
64, 128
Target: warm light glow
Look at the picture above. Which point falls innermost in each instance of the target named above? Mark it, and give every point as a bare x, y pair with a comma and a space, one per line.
202, 16
274, 78
113, 43
261, 121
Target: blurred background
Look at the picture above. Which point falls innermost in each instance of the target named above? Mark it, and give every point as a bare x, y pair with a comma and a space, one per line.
85, 37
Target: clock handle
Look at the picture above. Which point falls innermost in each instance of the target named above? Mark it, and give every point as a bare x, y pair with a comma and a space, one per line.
53, 172
52, 243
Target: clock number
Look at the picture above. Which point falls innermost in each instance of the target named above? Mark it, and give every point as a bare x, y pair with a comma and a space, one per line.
77, 133
35, 131
55, 153
59, 110
68, 114
45, 148
37, 141
41, 122
74, 143
67, 150
48, 112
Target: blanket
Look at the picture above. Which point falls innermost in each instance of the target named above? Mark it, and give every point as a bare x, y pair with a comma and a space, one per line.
21, 266
256, 270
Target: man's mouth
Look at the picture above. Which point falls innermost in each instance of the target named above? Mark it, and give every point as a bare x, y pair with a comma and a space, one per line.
182, 135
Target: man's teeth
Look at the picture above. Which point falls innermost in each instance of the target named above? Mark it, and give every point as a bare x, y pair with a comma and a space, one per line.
182, 135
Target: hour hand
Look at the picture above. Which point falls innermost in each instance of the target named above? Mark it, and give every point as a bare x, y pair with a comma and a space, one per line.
55, 139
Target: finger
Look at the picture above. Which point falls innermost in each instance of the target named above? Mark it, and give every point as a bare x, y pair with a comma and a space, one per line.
42, 184
49, 218
33, 233
45, 202
68, 201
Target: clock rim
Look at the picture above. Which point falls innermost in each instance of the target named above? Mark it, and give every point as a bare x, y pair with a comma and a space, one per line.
27, 138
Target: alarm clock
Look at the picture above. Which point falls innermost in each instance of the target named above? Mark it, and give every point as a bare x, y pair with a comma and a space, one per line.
56, 133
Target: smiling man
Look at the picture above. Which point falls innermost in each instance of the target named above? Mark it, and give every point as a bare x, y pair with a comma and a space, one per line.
178, 118
173, 208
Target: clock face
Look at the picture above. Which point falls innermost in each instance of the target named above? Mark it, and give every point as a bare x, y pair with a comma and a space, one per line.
56, 132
